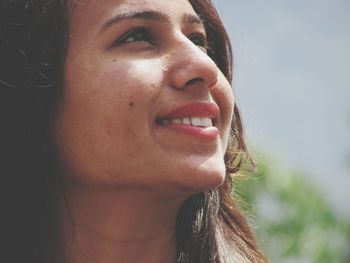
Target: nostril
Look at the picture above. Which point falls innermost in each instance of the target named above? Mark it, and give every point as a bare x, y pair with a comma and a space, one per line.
194, 81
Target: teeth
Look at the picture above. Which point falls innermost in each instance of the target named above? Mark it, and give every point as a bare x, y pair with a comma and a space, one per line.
176, 121
206, 122
194, 121
186, 121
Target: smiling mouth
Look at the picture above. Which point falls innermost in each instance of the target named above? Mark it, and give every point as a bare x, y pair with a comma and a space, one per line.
197, 127
197, 120
197, 114
202, 122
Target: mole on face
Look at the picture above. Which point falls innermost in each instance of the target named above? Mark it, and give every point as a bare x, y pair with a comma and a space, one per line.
131, 104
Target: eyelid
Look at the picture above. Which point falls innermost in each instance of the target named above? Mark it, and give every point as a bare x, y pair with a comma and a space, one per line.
142, 34
202, 37
138, 30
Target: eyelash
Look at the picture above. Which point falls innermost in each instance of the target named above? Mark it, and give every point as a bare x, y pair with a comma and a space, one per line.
199, 40
134, 35
143, 34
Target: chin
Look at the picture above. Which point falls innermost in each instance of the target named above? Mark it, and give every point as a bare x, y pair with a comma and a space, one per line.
205, 177
211, 181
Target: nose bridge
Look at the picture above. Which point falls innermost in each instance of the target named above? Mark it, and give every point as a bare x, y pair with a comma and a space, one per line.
190, 64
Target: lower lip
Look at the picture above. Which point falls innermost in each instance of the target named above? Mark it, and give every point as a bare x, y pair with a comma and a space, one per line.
205, 133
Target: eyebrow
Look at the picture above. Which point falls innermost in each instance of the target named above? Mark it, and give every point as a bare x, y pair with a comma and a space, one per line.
148, 15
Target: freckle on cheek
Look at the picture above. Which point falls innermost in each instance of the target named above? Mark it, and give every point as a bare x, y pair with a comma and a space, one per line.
131, 104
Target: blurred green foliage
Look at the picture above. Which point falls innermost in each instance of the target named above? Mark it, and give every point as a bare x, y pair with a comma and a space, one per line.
292, 219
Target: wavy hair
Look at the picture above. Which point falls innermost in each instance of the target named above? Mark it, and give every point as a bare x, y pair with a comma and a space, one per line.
33, 41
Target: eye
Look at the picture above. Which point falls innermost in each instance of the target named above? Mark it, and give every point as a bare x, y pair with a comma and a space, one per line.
136, 35
199, 40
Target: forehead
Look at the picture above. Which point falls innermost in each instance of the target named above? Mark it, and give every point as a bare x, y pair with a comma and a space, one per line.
91, 13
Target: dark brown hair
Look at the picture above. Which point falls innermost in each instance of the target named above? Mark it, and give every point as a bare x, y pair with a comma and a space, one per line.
33, 35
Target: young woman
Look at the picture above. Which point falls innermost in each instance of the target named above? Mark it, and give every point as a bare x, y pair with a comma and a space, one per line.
120, 133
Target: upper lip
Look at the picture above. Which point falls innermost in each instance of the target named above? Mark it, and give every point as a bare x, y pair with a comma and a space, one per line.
197, 109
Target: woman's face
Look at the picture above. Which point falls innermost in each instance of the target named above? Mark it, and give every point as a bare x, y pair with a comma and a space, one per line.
143, 105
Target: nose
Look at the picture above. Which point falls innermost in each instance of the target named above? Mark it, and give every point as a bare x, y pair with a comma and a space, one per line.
191, 66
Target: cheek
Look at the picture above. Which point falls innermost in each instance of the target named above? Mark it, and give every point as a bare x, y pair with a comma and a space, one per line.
223, 95
104, 116
225, 99
113, 86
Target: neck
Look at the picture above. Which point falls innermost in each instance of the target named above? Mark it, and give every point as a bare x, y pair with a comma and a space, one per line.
123, 225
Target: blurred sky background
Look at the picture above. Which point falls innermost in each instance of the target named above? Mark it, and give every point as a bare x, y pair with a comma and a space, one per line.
292, 81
